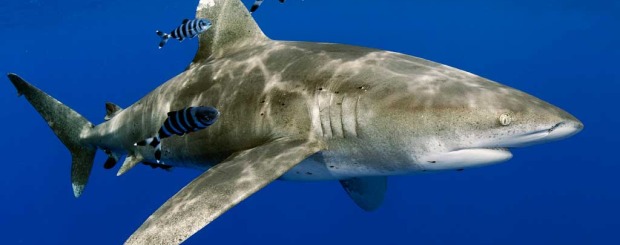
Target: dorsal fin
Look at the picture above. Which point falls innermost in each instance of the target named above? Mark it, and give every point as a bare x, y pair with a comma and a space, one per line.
233, 27
111, 110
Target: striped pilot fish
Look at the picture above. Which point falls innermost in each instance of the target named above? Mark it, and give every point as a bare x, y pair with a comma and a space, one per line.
181, 122
188, 29
257, 4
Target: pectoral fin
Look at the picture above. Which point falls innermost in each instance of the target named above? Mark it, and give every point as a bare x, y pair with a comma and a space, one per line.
366, 192
219, 189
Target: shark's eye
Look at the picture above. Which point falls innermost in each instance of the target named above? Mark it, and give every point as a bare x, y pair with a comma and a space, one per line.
505, 119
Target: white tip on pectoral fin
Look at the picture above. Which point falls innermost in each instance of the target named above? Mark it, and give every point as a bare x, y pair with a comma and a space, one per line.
219, 189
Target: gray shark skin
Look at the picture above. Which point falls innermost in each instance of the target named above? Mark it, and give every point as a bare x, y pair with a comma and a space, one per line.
303, 111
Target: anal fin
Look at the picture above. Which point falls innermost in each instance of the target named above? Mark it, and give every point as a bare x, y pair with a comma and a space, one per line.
130, 161
366, 192
219, 189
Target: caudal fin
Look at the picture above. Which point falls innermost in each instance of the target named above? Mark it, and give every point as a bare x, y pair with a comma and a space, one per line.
68, 126
164, 38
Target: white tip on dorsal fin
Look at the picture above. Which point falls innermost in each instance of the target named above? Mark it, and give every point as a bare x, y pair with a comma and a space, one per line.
233, 27
111, 110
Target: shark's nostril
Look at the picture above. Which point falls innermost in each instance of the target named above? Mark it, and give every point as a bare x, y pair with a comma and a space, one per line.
556, 126
564, 129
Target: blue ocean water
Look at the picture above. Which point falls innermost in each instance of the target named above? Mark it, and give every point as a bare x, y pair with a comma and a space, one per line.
87, 52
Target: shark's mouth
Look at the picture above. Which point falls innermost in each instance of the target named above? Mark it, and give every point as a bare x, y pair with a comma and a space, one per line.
558, 131
497, 150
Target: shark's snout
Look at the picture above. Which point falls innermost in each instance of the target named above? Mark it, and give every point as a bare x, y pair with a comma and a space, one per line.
558, 131
564, 129
539, 129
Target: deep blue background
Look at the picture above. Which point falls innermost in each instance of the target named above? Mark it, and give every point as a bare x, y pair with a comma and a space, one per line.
88, 52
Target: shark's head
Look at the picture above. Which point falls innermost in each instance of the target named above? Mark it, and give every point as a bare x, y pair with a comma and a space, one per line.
444, 118
532, 122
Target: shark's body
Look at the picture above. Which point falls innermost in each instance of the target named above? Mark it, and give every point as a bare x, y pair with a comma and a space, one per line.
304, 111
263, 102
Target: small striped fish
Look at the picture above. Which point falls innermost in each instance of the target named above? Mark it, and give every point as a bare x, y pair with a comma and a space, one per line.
257, 4
181, 122
188, 29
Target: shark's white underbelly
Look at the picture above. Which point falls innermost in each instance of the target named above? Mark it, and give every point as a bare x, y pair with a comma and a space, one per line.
333, 166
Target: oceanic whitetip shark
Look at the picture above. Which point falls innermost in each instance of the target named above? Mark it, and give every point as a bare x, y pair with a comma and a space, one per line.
302, 111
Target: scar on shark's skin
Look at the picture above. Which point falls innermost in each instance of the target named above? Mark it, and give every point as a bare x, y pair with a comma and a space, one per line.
327, 112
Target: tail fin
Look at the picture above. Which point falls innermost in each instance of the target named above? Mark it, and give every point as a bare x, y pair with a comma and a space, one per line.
164, 38
68, 126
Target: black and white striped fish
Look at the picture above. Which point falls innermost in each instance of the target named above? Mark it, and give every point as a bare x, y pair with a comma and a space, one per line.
181, 122
188, 29
257, 4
